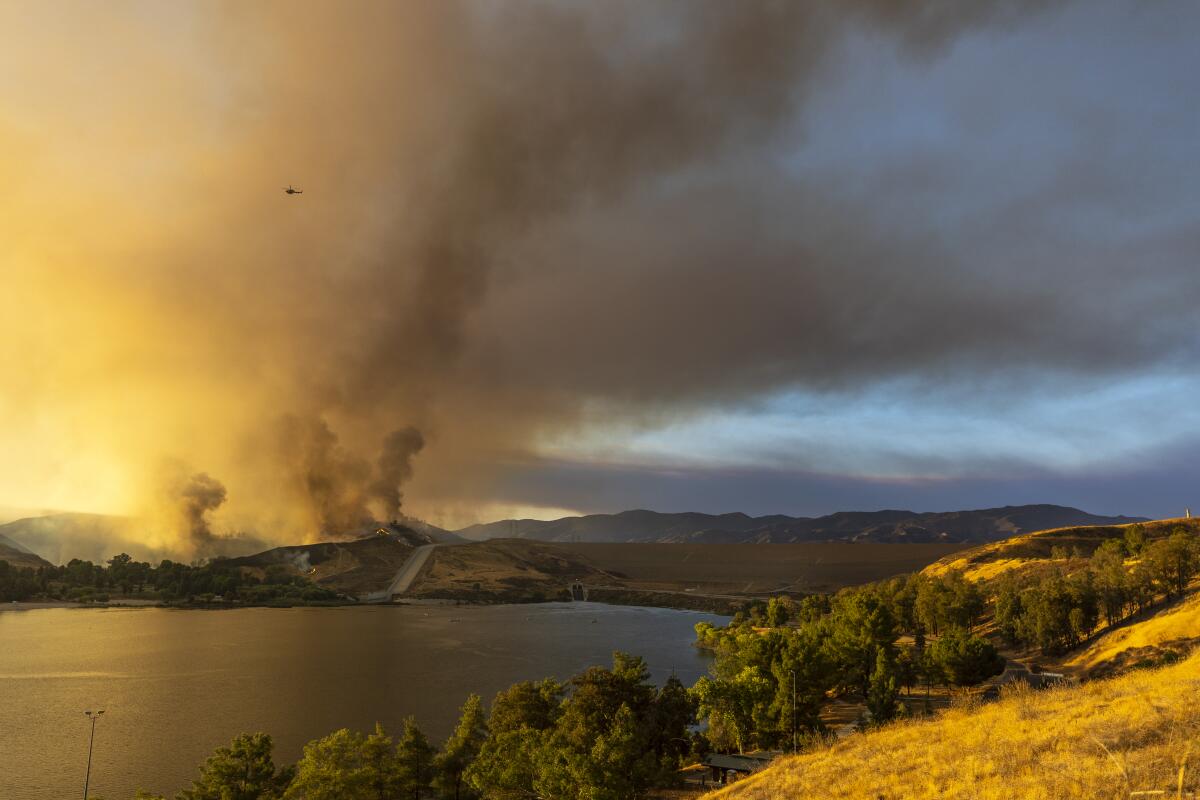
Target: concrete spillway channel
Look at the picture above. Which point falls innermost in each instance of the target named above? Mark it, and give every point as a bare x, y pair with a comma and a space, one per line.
404, 576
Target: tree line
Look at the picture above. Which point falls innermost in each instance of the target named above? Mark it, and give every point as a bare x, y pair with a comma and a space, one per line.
606, 734
777, 665
168, 581
1056, 612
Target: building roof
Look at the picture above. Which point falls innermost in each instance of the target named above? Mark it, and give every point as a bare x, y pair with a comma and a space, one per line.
739, 763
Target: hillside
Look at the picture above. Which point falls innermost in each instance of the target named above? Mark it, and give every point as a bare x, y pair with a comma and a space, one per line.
1104, 739
17, 555
356, 567
505, 569
1032, 552
978, 526
1164, 636
63, 536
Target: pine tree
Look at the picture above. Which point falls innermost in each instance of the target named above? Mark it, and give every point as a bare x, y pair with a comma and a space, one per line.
414, 757
460, 751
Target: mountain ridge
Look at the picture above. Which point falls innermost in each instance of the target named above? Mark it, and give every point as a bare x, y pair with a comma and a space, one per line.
884, 526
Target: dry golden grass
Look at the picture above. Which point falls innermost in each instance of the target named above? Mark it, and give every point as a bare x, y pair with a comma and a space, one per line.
1031, 552
1105, 739
1177, 627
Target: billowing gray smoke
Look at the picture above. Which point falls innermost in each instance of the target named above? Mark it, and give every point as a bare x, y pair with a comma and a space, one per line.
528, 217
339, 487
394, 468
200, 495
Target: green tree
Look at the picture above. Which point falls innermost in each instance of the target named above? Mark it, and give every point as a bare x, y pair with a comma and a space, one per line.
884, 692
1112, 579
779, 611
336, 767
1008, 610
414, 761
460, 751
242, 771
1174, 561
673, 716
1135, 539
732, 706
509, 765
860, 626
965, 659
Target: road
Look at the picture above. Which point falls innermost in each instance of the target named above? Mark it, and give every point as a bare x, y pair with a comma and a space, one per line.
409, 570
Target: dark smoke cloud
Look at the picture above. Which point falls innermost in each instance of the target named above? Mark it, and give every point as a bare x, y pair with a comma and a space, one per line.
524, 217
336, 487
199, 496
395, 468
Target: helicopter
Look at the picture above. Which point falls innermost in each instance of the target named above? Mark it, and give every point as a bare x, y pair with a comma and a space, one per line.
292, 190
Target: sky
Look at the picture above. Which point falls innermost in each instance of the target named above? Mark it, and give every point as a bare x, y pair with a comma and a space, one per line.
556, 257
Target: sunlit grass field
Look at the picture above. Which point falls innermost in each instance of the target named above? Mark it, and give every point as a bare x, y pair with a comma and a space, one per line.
1115, 738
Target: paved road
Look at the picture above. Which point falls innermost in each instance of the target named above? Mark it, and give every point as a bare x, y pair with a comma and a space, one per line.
409, 570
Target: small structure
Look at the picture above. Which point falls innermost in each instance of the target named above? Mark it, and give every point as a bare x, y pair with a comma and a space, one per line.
729, 767
578, 592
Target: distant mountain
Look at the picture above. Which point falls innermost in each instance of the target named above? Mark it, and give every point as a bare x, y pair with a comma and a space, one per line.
978, 526
63, 536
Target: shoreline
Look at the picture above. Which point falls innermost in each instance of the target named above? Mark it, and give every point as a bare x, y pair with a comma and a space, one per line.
632, 599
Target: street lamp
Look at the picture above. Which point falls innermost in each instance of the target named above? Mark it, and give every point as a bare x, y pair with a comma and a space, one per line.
93, 716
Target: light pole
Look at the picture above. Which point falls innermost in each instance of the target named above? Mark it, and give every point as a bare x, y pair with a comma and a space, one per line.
793, 713
93, 716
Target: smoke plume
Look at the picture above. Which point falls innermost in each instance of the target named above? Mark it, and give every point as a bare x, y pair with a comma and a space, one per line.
200, 495
395, 467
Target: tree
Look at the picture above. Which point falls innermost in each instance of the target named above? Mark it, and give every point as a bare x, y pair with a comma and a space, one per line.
1112, 580
617, 767
1174, 561
860, 625
414, 761
965, 659
242, 771
1008, 610
526, 705
779, 611
884, 692
460, 751
674, 714
346, 766
510, 764
1135, 539
732, 706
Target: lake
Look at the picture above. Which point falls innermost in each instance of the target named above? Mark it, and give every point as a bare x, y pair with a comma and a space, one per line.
176, 684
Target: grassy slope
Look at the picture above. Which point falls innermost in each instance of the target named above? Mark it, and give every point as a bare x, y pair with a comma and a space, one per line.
1104, 739
1175, 628
1031, 552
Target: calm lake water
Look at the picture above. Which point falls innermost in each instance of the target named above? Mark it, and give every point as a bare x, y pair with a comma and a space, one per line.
176, 684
